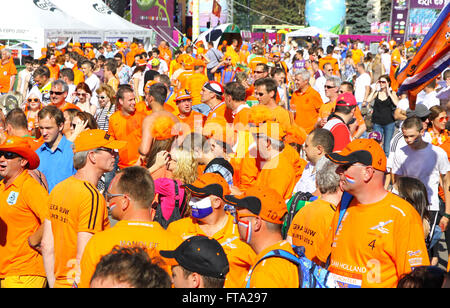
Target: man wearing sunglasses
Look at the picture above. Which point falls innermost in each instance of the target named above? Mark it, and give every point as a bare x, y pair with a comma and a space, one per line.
77, 209
379, 236
58, 95
24, 213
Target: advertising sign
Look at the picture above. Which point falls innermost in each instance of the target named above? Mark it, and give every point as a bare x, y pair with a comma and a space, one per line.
156, 14
399, 18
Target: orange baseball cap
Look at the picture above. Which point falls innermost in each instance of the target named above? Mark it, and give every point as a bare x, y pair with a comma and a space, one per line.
209, 184
364, 151
162, 128
271, 129
262, 201
96, 138
21, 147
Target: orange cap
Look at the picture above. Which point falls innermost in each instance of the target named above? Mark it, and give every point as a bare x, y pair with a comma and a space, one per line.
365, 151
21, 147
295, 134
88, 45
265, 202
96, 138
183, 94
218, 129
188, 63
162, 128
209, 184
271, 129
259, 114
77, 44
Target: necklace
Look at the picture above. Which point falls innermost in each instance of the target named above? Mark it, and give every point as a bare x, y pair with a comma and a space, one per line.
438, 139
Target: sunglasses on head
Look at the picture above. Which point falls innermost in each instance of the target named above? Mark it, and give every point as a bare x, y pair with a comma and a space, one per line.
9, 155
30, 100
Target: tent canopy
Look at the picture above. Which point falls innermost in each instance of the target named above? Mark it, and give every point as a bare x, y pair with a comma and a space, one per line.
97, 14
313, 32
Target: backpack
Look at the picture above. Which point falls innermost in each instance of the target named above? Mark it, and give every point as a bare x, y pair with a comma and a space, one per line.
176, 213
295, 204
310, 274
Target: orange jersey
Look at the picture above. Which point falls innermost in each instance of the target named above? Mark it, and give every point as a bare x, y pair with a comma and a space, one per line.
195, 85
78, 75
375, 243
240, 256
6, 71
195, 119
149, 235
127, 128
307, 106
240, 118
183, 79
54, 71
310, 226
274, 272
22, 210
84, 210
221, 110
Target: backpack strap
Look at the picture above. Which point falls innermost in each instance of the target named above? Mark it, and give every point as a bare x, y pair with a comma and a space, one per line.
177, 203
278, 253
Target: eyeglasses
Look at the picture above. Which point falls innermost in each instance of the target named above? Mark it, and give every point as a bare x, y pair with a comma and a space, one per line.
329, 87
56, 93
36, 100
81, 94
9, 155
109, 196
442, 119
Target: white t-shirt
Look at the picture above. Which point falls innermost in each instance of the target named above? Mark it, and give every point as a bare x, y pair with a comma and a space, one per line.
360, 86
386, 61
94, 83
428, 99
319, 86
426, 165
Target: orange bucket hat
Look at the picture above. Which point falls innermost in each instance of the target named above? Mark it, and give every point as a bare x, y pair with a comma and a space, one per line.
21, 147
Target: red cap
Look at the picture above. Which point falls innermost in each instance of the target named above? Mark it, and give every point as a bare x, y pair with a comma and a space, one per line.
346, 99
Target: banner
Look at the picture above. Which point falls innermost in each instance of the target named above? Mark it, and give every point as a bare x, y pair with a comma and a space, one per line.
154, 13
399, 18
428, 4
206, 15
430, 60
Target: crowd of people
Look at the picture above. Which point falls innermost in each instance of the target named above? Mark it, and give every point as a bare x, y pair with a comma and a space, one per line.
127, 167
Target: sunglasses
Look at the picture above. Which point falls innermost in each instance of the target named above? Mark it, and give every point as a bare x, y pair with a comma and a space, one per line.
102, 97
30, 100
442, 119
329, 87
382, 81
110, 151
56, 93
81, 94
259, 72
9, 155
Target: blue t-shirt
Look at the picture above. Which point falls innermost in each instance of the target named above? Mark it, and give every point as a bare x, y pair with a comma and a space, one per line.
57, 165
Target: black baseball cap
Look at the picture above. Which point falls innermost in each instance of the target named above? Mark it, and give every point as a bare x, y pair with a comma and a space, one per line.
200, 254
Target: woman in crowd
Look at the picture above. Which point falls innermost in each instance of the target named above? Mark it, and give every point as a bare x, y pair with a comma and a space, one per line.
106, 96
84, 95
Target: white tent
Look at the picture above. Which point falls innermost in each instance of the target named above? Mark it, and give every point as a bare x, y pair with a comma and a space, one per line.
37, 21
313, 32
97, 14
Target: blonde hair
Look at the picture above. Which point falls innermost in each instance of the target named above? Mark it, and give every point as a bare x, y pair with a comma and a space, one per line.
186, 170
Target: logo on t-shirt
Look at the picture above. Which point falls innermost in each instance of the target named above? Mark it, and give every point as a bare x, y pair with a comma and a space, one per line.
381, 226
12, 198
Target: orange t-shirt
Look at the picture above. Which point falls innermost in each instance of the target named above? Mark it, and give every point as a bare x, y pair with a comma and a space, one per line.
357, 55
149, 235
195, 85
84, 210
307, 106
240, 255
78, 75
282, 116
193, 118
127, 128
375, 243
329, 59
274, 272
22, 211
310, 226
183, 79
221, 110
6, 71
278, 174
241, 117
54, 71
